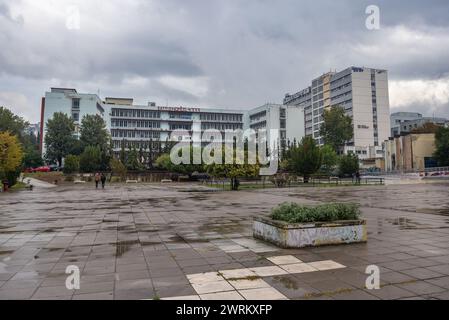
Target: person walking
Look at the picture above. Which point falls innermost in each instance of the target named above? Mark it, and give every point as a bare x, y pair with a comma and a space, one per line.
97, 180
357, 176
103, 180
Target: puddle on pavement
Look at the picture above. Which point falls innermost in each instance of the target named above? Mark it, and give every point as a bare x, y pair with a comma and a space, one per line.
287, 282
409, 224
441, 212
123, 246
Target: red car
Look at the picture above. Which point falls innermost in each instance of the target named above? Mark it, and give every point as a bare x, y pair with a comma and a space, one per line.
43, 169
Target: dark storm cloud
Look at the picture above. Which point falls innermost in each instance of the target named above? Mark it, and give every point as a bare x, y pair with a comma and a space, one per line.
216, 53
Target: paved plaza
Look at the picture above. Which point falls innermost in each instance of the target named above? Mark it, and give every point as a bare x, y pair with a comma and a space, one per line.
185, 241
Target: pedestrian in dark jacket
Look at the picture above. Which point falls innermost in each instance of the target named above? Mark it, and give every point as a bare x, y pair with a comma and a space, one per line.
103, 180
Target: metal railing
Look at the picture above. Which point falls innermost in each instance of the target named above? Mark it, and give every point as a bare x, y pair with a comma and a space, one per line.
266, 183
399, 172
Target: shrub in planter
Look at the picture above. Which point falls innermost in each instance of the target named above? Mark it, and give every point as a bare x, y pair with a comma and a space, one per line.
295, 213
295, 226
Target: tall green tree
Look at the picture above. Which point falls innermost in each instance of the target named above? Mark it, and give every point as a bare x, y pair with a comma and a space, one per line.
234, 171
59, 137
150, 153
77, 148
30, 143
32, 157
306, 158
329, 159
132, 162
93, 132
337, 128
122, 155
442, 146
348, 164
90, 159
12, 123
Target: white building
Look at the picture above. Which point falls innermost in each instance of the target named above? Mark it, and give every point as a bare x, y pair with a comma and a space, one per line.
288, 120
70, 102
363, 93
407, 121
137, 126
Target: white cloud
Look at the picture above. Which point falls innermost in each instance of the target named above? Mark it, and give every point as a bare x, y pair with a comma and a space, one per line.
198, 86
407, 51
19, 104
235, 54
426, 92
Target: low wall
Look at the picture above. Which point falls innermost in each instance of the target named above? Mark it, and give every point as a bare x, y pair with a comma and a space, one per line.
146, 177
288, 235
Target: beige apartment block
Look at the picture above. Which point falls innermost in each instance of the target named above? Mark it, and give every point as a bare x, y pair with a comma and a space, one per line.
411, 152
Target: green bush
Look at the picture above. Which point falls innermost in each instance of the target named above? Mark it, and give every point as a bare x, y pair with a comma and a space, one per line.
116, 179
90, 159
295, 213
118, 168
12, 177
348, 164
71, 164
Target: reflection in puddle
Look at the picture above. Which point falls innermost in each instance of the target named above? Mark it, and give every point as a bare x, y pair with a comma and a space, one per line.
287, 282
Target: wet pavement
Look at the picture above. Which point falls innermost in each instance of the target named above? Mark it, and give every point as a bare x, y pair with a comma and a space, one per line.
146, 242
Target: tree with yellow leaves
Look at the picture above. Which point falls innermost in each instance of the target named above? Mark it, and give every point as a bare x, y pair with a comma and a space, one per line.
11, 155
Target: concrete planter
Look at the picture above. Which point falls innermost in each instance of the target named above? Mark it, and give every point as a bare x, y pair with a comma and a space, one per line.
302, 235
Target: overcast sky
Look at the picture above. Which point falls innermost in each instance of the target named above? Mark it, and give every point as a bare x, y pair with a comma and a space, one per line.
218, 53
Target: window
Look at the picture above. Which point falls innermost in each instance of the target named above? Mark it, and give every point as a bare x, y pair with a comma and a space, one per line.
76, 116
75, 103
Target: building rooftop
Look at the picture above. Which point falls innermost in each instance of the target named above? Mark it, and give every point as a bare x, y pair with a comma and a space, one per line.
64, 90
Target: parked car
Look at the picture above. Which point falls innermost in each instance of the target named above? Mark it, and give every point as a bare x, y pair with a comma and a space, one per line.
54, 167
43, 169
29, 170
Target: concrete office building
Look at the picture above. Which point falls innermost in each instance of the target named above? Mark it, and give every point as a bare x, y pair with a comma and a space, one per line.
70, 102
407, 121
139, 126
136, 125
289, 120
363, 93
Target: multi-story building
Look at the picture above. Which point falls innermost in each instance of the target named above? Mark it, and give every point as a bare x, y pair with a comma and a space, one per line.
146, 127
288, 120
70, 102
407, 121
363, 93
149, 127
